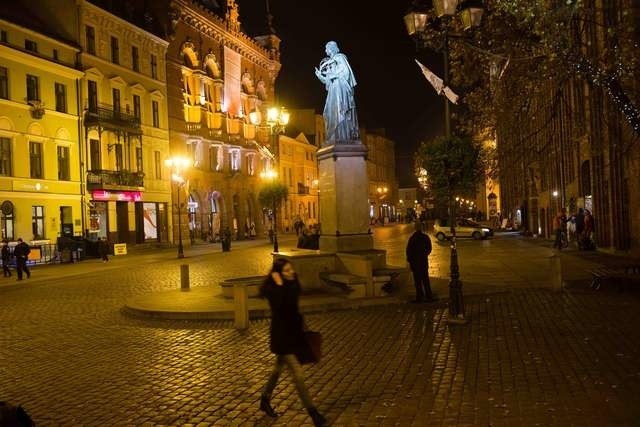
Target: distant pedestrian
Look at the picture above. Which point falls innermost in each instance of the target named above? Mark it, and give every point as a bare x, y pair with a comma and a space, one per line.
21, 252
6, 258
418, 250
252, 230
560, 227
226, 239
103, 249
282, 290
579, 220
587, 235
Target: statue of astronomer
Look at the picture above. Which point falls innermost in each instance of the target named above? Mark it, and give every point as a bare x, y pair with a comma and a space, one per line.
341, 120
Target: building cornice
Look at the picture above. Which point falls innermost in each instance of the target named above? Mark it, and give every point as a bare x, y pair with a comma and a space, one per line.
102, 65
40, 35
48, 65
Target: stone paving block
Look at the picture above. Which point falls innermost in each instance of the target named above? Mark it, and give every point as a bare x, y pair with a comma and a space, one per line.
528, 357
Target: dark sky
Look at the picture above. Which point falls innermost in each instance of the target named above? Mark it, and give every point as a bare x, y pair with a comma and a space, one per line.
391, 91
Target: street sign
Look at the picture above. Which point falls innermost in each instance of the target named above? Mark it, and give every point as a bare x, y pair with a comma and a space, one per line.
120, 249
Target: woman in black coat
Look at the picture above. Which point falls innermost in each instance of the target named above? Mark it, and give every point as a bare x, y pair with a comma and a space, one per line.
282, 290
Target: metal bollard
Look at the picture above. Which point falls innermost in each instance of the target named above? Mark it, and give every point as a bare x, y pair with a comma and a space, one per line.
184, 277
240, 306
556, 273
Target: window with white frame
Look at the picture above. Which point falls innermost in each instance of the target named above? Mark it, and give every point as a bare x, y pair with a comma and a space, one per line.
251, 168
234, 158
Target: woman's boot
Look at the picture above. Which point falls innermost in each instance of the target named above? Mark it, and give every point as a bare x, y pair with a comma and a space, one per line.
318, 419
265, 406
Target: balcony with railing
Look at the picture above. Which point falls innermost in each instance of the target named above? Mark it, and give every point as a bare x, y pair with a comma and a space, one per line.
114, 180
106, 116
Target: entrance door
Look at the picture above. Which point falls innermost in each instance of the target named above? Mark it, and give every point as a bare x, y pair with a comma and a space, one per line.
66, 221
122, 218
163, 229
140, 222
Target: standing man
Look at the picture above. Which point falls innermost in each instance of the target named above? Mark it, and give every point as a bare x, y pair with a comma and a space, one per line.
418, 250
6, 258
21, 252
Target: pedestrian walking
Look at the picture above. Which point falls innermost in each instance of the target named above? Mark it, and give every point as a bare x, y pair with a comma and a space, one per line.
21, 252
580, 227
225, 240
418, 250
103, 249
282, 290
6, 258
559, 227
589, 227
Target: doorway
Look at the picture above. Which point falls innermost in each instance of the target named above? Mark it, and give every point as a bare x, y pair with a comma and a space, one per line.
122, 220
66, 221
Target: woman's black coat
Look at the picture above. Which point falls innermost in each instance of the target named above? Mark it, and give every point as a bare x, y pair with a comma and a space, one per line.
287, 331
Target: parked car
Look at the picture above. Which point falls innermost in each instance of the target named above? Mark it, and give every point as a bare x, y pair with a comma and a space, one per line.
464, 228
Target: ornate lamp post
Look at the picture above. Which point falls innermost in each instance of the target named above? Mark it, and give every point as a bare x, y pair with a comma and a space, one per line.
277, 120
440, 17
382, 193
178, 165
271, 175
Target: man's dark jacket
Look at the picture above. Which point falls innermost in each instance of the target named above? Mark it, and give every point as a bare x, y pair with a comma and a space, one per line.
418, 248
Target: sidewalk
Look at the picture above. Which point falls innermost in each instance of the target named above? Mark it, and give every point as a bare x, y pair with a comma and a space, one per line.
41, 273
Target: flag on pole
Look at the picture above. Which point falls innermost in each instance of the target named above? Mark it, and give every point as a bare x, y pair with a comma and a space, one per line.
438, 84
451, 95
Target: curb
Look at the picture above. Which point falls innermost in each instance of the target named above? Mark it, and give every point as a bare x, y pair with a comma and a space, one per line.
254, 314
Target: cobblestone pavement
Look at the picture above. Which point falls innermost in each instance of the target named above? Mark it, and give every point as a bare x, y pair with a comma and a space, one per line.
528, 357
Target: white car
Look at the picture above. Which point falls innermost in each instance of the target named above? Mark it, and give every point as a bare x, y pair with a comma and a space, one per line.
464, 228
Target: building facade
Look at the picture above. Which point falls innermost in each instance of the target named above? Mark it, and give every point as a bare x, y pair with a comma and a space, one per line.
381, 171
578, 150
124, 128
126, 136
298, 169
220, 83
40, 179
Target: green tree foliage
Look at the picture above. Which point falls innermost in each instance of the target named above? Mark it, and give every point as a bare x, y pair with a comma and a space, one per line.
455, 166
272, 194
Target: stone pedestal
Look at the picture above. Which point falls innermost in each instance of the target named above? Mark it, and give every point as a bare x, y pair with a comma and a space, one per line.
344, 204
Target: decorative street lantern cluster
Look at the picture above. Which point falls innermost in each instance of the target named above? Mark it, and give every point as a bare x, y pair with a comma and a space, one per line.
440, 17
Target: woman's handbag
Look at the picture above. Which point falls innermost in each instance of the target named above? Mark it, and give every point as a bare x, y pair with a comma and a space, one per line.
311, 350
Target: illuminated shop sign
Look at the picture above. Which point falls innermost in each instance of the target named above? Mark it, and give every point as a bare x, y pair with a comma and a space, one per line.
118, 196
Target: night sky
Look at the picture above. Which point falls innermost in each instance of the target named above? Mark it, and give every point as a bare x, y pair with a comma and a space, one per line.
391, 91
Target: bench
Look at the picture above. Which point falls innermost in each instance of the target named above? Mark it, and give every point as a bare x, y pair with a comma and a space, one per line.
344, 281
623, 276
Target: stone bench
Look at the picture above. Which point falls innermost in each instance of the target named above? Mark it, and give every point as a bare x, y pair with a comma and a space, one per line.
354, 285
622, 276
252, 283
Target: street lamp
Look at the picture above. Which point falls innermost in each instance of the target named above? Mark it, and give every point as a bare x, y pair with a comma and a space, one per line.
178, 165
277, 120
416, 22
271, 175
